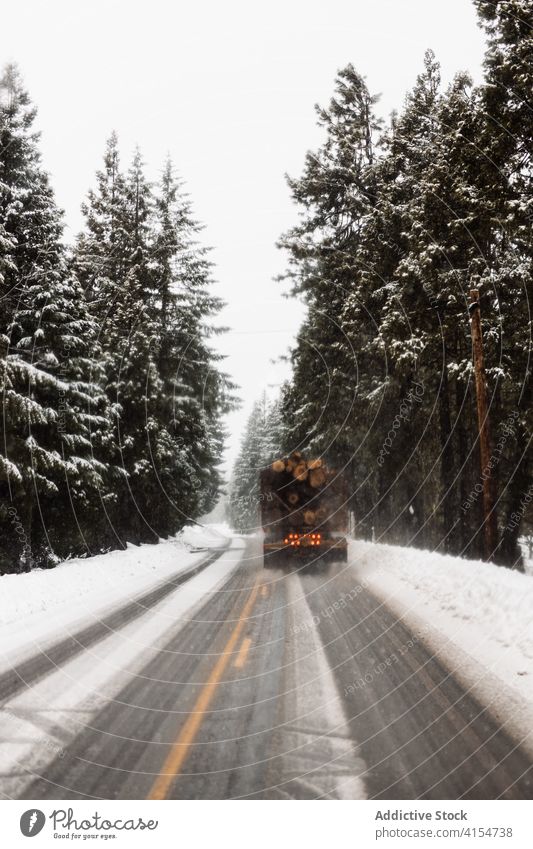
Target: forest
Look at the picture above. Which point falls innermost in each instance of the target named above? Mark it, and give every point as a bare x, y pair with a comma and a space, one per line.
113, 394
112, 391
398, 222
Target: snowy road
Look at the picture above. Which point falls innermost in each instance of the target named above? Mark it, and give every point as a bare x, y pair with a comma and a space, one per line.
246, 682
26, 674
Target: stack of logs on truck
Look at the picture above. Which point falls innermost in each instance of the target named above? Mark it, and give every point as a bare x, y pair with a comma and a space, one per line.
304, 511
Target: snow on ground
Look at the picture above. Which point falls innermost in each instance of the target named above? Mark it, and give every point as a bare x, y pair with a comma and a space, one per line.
475, 616
39, 607
77, 690
195, 537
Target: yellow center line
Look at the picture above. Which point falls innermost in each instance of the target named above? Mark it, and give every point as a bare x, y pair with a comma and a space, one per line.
264, 591
187, 735
240, 660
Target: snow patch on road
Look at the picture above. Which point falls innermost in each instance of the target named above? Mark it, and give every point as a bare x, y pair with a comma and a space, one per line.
481, 619
320, 760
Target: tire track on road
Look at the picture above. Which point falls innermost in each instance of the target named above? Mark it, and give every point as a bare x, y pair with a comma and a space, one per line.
421, 734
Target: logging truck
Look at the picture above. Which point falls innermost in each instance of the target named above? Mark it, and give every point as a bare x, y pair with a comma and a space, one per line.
304, 512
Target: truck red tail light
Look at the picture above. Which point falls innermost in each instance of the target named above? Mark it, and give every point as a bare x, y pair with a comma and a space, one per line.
303, 538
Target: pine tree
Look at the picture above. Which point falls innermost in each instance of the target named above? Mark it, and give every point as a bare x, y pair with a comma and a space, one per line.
150, 287
102, 248
442, 207
422, 293
112, 391
53, 406
195, 393
335, 192
255, 453
113, 259
507, 276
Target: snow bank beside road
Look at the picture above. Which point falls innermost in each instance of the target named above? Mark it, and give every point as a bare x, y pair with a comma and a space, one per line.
204, 536
45, 604
480, 618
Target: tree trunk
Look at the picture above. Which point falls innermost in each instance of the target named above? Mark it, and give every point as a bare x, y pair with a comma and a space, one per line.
509, 552
27, 522
447, 465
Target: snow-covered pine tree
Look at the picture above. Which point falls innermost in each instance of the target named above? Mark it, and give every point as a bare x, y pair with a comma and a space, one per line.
415, 326
53, 406
446, 208
195, 393
113, 259
274, 442
508, 88
103, 247
150, 291
256, 451
335, 193
506, 269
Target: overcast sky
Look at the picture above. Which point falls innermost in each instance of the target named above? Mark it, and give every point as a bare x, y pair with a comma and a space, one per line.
228, 89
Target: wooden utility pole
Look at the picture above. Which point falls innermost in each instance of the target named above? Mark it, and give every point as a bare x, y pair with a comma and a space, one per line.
490, 522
